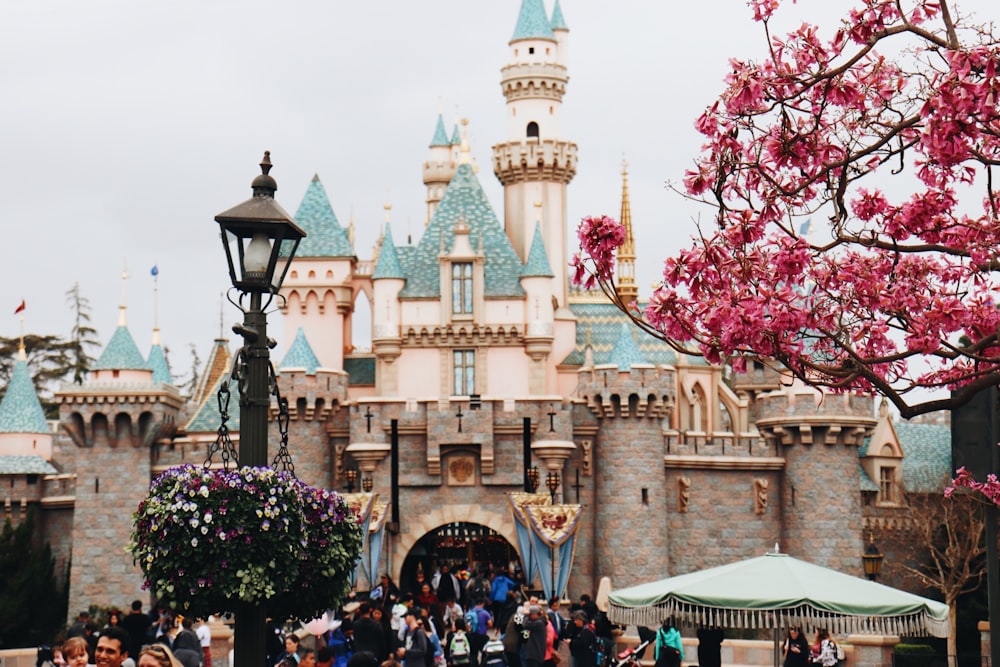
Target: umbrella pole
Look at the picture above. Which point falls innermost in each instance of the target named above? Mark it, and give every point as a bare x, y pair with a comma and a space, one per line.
777, 647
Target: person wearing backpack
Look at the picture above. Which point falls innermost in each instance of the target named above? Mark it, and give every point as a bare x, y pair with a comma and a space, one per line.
478, 588
415, 644
458, 649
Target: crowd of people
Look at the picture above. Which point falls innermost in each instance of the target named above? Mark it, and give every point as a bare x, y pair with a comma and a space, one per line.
459, 619
186, 644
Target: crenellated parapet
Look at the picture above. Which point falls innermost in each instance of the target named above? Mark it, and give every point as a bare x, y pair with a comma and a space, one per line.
311, 397
800, 415
534, 160
118, 414
643, 391
534, 80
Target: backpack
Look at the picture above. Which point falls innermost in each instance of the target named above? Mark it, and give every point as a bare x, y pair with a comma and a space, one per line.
459, 649
472, 620
479, 589
493, 654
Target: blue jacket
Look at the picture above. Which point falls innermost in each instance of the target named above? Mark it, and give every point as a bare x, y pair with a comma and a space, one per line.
501, 585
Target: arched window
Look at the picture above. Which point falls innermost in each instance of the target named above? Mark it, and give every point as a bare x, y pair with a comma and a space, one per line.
532, 130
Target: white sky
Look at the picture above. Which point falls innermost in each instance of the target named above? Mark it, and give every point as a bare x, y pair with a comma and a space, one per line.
126, 125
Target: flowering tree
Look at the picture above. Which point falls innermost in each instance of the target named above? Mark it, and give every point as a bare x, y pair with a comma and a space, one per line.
888, 130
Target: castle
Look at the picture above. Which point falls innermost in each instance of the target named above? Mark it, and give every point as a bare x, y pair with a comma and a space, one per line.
475, 334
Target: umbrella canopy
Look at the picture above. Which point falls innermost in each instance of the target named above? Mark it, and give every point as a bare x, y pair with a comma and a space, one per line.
777, 591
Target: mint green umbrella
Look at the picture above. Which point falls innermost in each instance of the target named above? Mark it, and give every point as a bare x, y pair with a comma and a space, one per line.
777, 591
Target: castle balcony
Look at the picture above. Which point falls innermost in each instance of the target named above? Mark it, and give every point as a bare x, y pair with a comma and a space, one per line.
533, 160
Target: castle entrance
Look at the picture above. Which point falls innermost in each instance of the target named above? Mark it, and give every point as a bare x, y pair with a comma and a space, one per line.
460, 545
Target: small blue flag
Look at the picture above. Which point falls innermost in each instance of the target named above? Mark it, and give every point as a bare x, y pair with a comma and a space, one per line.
154, 271
804, 229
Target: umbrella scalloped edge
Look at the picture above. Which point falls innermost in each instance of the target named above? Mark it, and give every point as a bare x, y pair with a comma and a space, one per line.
913, 625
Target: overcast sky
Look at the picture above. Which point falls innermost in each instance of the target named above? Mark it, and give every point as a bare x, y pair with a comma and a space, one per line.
127, 125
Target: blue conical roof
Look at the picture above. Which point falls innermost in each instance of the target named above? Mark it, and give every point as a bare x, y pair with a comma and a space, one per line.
626, 353
20, 409
121, 353
532, 22
388, 265
300, 355
463, 201
440, 135
324, 235
538, 260
558, 21
456, 136
158, 362
208, 418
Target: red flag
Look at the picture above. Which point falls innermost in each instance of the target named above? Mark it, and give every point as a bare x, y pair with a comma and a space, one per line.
19, 308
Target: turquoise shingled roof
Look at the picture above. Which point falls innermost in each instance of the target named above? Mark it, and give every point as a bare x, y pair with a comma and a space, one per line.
360, 371
440, 136
463, 200
532, 23
15, 464
926, 456
208, 418
121, 354
20, 409
158, 362
324, 235
626, 352
388, 265
604, 321
456, 136
538, 260
866, 482
300, 355
558, 21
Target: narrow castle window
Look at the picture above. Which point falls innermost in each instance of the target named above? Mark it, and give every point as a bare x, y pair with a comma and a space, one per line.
886, 484
531, 50
464, 372
461, 288
532, 130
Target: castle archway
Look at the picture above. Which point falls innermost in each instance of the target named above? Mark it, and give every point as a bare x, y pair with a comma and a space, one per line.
456, 534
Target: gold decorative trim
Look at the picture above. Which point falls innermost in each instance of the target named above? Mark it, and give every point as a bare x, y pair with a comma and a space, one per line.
675, 462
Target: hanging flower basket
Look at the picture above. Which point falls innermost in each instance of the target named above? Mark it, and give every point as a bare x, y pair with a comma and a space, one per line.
333, 546
207, 539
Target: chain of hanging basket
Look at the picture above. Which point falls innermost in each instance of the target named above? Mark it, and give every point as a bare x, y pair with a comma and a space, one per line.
223, 441
282, 458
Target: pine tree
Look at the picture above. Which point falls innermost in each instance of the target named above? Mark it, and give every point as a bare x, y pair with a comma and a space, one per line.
82, 336
32, 607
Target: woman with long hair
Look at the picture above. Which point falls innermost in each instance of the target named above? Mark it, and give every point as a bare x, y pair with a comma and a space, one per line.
157, 655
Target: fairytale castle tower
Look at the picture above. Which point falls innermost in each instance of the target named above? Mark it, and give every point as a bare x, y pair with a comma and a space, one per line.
535, 163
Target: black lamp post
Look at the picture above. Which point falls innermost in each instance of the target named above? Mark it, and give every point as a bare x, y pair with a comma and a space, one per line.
257, 235
552, 483
872, 559
533, 480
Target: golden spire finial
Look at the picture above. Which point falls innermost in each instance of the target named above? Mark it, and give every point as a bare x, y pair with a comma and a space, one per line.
465, 159
122, 307
627, 290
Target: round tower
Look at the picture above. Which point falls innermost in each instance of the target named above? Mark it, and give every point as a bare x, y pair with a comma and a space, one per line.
818, 434
439, 168
535, 164
631, 400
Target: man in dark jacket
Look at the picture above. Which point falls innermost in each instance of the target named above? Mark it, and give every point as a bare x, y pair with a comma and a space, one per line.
415, 644
582, 641
533, 637
368, 635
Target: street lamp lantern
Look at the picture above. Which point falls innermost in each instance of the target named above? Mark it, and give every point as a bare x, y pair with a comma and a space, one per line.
257, 235
352, 477
367, 483
552, 483
533, 479
872, 559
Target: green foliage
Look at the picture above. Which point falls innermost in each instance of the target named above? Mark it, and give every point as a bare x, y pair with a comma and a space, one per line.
32, 607
914, 649
82, 336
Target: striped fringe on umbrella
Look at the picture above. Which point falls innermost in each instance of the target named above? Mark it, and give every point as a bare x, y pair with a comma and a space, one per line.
909, 625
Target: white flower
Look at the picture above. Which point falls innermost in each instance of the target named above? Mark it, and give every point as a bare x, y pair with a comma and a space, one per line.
194, 541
